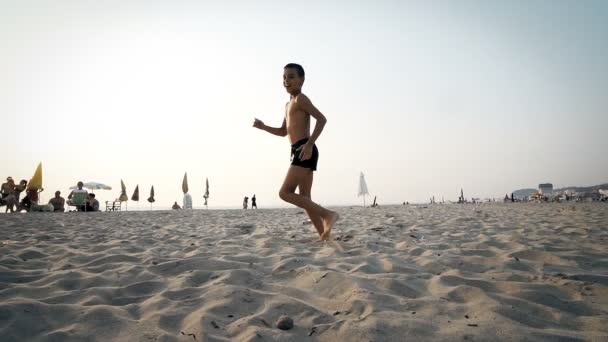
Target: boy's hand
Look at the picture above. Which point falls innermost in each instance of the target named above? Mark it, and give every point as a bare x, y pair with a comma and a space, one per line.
257, 123
305, 151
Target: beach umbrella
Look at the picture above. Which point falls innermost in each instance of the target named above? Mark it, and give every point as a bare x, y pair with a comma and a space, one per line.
362, 188
135, 196
206, 195
151, 198
185, 183
36, 182
123, 192
93, 186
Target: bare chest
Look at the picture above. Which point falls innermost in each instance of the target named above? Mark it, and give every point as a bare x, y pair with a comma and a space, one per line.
294, 116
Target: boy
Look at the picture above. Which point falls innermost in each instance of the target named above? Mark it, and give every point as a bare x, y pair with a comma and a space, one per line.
304, 152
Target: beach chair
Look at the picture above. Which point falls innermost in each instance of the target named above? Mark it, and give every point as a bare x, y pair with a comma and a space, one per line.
113, 206
79, 200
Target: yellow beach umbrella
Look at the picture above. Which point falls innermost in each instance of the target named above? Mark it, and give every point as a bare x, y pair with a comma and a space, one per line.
123, 193
185, 183
36, 182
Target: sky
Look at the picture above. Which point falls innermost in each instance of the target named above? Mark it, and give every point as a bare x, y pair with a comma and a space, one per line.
423, 97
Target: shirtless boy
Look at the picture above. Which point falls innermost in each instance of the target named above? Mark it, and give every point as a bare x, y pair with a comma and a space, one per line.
304, 152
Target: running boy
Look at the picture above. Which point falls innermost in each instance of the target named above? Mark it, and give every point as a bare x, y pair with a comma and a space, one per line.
304, 152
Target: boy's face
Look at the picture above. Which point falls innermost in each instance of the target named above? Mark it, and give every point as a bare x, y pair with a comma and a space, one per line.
291, 81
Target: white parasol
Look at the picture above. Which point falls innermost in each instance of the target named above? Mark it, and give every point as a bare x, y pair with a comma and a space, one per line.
362, 188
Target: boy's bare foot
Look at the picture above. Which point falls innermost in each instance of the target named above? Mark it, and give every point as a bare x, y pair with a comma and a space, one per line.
328, 224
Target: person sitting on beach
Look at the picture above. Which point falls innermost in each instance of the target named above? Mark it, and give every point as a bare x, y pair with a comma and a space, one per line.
31, 199
25, 204
78, 190
92, 204
175, 206
58, 202
7, 188
19, 189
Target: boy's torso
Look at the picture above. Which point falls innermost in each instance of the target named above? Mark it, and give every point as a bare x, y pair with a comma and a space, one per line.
297, 121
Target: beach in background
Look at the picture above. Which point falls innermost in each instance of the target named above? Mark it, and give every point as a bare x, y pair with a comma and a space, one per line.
492, 271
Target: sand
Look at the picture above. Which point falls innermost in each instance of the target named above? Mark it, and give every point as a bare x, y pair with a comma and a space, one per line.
491, 272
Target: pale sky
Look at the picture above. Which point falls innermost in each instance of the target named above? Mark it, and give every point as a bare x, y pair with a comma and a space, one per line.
423, 97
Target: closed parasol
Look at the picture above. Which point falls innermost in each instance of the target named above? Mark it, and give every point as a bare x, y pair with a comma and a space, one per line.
151, 198
185, 183
123, 192
362, 188
36, 182
206, 195
135, 196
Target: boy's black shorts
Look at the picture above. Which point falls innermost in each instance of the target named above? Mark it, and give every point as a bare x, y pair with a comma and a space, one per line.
309, 163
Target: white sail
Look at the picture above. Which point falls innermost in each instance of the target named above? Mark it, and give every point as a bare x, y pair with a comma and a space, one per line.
362, 186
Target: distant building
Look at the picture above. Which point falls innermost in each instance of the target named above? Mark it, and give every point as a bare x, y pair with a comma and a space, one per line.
523, 194
546, 189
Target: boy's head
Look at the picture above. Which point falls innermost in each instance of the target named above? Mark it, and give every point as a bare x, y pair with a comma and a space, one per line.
293, 78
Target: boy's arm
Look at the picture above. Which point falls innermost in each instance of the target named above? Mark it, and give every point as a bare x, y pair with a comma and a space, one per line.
307, 106
280, 131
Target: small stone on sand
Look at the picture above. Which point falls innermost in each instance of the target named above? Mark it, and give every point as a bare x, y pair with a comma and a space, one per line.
284, 323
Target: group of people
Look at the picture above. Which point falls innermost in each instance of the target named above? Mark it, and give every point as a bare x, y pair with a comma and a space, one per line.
11, 198
246, 202
11, 195
82, 200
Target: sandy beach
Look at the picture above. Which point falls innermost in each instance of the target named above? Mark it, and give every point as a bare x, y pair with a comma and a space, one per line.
491, 272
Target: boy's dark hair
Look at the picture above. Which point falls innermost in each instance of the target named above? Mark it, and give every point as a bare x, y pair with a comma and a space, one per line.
298, 68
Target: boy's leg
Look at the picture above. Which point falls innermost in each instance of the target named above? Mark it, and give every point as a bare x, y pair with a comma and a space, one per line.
305, 188
295, 174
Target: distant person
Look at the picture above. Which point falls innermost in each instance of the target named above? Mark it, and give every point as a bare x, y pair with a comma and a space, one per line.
175, 206
30, 200
79, 190
92, 204
19, 189
304, 152
253, 202
7, 188
245, 202
7, 193
58, 202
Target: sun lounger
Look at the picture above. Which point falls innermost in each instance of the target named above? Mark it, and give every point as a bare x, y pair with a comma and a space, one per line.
113, 206
79, 200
